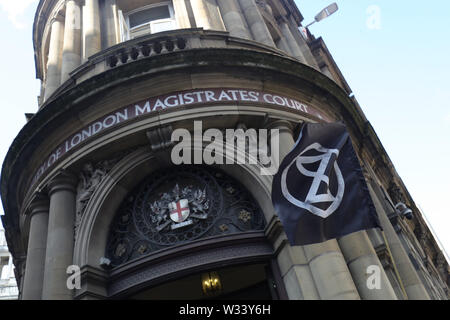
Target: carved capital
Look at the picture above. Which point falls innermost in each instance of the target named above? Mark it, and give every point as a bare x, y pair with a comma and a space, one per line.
383, 256
281, 125
440, 260
261, 3
64, 181
395, 192
281, 20
77, 2
39, 204
264, 6
58, 17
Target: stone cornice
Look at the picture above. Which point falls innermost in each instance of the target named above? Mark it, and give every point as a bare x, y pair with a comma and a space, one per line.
63, 105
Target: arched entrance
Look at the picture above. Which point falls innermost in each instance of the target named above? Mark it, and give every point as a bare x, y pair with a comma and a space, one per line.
226, 231
176, 206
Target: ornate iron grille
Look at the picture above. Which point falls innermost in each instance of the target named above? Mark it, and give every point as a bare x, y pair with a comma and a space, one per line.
179, 205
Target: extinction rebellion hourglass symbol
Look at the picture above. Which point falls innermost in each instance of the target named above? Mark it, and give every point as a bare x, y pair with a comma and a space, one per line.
319, 177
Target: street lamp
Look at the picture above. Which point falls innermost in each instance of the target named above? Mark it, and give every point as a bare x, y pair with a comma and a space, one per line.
325, 13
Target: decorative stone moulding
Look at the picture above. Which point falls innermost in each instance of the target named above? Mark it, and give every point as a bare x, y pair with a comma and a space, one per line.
177, 206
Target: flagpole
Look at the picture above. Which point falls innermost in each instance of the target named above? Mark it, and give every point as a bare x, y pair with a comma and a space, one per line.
395, 266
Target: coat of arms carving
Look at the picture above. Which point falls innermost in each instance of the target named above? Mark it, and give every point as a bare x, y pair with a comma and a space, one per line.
179, 205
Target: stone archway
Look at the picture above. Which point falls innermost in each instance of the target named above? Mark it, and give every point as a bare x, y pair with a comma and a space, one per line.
100, 211
179, 205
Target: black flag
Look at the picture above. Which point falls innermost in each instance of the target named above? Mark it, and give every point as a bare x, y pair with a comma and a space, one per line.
319, 191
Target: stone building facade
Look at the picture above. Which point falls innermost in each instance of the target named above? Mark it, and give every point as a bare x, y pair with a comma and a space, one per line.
89, 180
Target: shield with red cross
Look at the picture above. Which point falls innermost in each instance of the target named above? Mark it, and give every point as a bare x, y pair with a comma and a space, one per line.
179, 211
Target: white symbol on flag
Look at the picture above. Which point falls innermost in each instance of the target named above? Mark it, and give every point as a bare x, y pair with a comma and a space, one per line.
179, 211
319, 177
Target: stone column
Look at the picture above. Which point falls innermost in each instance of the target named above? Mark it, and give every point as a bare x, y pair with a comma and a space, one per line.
360, 255
330, 272
291, 42
256, 22
181, 14
232, 18
295, 271
71, 57
285, 137
91, 28
292, 261
201, 14
60, 239
283, 45
53, 75
111, 24
303, 45
37, 244
411, 281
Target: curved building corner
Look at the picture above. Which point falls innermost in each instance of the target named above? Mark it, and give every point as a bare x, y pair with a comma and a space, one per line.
90, 182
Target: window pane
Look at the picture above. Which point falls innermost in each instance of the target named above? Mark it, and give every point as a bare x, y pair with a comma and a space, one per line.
152, 14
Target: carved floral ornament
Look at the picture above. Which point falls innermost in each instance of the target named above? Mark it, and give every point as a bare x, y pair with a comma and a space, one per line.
179, 205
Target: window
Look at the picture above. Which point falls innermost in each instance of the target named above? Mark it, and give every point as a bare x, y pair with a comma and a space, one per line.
4, 268
146, 20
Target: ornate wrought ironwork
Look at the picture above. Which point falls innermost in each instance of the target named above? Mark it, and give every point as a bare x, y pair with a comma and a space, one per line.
177, 206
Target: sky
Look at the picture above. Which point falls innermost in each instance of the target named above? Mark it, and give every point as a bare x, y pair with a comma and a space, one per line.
394, 55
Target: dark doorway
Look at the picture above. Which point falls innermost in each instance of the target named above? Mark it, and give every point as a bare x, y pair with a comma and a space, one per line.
244, 282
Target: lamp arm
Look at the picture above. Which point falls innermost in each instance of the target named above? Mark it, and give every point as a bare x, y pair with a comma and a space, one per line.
310, 24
